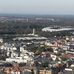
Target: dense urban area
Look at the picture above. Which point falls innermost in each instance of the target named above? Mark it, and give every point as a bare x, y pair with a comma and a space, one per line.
33, 44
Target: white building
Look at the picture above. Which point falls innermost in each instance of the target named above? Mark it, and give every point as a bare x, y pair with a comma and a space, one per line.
25, 56
1, 40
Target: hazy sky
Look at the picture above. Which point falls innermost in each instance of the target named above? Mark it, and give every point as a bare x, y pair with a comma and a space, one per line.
37, 6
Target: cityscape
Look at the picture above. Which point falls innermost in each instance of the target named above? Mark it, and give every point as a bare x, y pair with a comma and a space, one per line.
36, 49
36, 36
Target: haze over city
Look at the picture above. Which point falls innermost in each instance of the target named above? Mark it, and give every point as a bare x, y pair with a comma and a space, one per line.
36, 36
37, 7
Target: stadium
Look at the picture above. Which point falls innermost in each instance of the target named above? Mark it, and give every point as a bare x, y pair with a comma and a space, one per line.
57, 29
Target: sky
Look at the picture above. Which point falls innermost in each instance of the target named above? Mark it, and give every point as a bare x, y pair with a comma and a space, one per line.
37, 6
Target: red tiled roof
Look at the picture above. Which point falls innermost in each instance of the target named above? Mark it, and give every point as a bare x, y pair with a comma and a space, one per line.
69, 55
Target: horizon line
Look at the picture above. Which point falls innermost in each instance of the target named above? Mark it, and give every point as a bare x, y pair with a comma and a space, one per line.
21, 14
